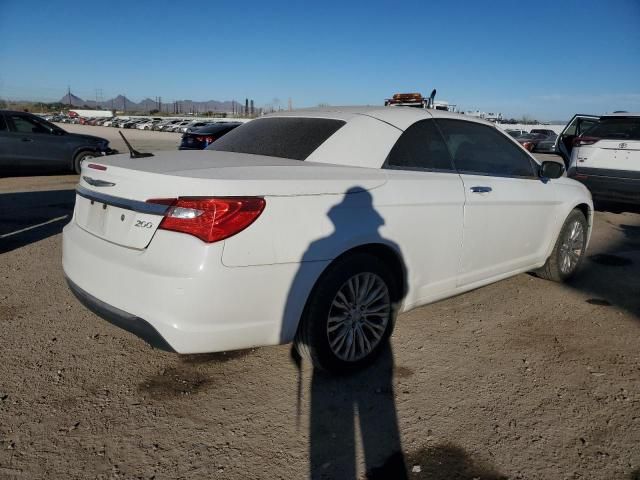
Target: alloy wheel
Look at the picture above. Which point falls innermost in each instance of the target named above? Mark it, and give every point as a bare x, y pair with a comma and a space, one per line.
572, 247
358, 317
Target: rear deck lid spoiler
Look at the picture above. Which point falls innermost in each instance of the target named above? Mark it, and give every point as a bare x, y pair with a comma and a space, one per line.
127, 204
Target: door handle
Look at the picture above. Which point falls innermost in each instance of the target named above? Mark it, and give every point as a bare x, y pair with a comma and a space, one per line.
481, 189
27, 139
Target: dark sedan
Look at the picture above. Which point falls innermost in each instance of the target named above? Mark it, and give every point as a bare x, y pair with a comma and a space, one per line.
531, 140
28, 142
201, 138
547, 144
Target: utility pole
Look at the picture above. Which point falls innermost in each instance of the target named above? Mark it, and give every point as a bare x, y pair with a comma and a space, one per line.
69, 96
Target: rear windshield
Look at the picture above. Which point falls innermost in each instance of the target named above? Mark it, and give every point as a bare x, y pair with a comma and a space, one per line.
284, 137
616, 128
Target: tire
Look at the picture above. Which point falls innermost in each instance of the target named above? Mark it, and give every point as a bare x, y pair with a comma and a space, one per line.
572, 238
322, 340
77, 160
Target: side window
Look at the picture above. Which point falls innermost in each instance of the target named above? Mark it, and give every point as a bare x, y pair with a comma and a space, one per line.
3, 124
25, 124
585, 124
481, 149
420, 146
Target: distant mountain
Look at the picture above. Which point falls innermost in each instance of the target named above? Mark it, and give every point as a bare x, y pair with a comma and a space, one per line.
70, 98
122, 103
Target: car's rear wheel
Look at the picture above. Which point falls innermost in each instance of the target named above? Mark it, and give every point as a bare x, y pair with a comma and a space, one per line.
79, 158
568, 252
350, 314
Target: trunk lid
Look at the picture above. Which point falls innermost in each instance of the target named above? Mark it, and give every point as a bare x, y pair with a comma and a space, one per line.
111, 202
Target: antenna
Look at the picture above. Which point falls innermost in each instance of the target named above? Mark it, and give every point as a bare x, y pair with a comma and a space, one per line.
133, 153
431, 98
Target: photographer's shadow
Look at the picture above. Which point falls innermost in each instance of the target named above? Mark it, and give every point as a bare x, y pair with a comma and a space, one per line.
344, 403
340, 405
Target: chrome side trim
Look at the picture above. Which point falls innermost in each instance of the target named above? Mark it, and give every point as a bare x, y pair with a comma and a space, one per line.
133, 205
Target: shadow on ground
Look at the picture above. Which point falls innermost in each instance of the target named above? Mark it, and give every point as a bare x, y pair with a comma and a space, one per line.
28, 217
612, 275
439, 462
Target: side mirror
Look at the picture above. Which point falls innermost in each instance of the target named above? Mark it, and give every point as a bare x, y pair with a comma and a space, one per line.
551, 170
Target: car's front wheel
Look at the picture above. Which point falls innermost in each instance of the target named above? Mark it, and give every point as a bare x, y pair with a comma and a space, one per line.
79, 158
568, 251
350, 314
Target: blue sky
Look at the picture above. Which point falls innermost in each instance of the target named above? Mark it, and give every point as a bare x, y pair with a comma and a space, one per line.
545, 58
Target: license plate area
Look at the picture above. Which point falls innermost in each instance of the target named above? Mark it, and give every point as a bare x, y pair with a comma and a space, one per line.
115, 224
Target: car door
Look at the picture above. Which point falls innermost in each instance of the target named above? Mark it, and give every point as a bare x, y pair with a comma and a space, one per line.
35, 144
577, 126
426, 221
508, 211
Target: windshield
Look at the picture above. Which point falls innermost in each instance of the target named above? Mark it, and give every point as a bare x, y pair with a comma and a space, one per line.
283, 137
623, 128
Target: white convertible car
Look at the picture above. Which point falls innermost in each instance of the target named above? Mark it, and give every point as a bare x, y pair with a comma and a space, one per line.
316, 227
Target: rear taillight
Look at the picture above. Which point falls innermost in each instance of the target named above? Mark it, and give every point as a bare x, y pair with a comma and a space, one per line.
210, 219
528, 145
206, 139
580, 141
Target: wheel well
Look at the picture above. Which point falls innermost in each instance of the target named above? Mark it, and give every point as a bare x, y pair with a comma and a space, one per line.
584, 208
79, 152
390, 257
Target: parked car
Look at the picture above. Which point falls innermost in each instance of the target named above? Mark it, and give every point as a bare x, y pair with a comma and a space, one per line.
192, 126
316, 227
168, 125
176, 126
606, 158
132, 123
579, 124
516, 133
28, 142
148, 124
544, 131
530, 140
546, 144
202, 137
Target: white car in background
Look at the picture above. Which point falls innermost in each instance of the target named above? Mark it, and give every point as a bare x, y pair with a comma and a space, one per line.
193, 125
606, 158
176, 127
316, 227
148, 125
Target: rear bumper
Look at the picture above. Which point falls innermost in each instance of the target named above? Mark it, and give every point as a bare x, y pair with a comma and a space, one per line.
609, 188
177, 295
120, 318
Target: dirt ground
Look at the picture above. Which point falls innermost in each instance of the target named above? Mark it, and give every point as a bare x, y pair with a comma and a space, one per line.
522, 379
